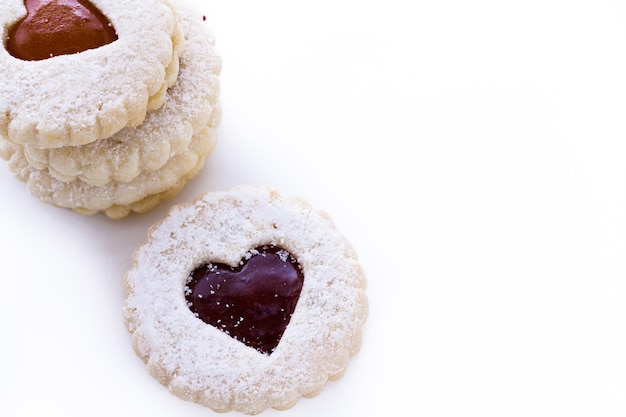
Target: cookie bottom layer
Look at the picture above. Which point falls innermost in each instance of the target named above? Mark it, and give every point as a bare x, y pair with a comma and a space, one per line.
115, 199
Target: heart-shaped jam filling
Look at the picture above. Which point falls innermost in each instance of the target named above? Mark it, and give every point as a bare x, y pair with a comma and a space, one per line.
252, 302
58, 27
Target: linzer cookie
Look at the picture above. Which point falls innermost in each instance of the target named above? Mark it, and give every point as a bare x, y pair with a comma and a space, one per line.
74, 71
244, 300
138, 167
190, 105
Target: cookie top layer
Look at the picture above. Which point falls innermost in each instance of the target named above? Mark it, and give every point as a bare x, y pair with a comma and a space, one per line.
76, 98
201, 363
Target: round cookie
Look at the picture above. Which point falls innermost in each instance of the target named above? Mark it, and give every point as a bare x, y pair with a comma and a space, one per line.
116, 199
235, 359
77, 98
190, 104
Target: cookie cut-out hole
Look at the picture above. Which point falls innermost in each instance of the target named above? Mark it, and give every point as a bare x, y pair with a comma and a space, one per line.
252, 302
58, 27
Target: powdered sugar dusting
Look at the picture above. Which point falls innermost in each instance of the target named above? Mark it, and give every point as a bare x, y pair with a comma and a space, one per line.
202, 363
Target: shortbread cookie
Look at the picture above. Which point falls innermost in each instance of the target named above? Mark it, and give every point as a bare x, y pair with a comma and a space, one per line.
244, 300
190, 105
116, 199
92, 91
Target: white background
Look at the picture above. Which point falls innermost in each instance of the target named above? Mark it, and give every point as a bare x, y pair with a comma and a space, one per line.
472, 151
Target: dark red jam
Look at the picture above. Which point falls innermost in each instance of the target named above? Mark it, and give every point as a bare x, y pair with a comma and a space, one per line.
252, 302
58, 27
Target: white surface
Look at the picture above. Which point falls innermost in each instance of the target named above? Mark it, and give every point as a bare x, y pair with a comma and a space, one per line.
473, 152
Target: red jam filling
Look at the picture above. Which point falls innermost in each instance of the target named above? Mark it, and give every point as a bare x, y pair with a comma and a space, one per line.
58, 27
252, 302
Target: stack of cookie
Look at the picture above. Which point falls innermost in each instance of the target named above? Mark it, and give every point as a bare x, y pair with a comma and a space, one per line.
112, 112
